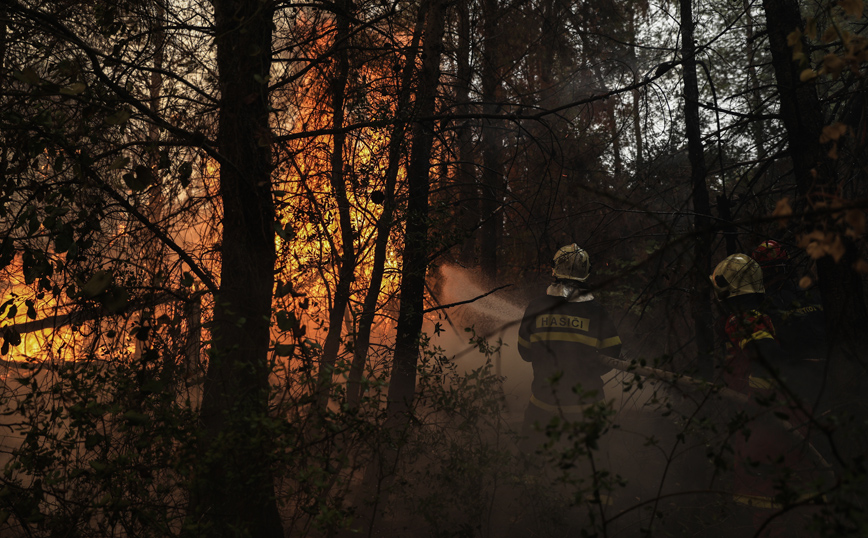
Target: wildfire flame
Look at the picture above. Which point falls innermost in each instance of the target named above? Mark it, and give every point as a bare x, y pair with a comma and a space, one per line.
308, 243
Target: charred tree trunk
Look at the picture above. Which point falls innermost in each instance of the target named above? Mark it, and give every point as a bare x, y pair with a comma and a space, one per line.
193, 337
492, 175
346, 273
158, 33
415, 259
755, 99
841, 286
637, 101
384, 226
800, 107
615, 133
730, 232
155, 250
468, 193
233, 489
2, 37
699, 300
801, 112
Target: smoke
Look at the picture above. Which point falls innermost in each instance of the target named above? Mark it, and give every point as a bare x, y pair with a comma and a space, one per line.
642, 446
666, 450
496, 316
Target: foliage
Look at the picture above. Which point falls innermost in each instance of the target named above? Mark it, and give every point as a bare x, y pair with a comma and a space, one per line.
116, 222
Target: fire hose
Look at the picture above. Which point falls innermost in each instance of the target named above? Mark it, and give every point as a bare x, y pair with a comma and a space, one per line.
691, 383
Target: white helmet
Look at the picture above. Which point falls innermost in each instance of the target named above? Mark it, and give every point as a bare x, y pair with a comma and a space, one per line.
738, 274
573, 263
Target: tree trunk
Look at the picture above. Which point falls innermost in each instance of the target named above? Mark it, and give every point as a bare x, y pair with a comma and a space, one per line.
3, 38
155, 250
800, 107
755, 99
841, 287
384, 226
492, 175
801, 112
346, 273
637, 117
468, 203
233, 492
700, 305
415, 259
402, 385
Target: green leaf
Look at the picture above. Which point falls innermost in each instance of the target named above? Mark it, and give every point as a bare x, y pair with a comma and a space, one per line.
141, 333
284, 350
185, 171
93, 440
130, 180
97, 284
11, 336
7, 251
120, 117
286, 321
145, 174
75, 88
28, 76
116, 299
139, 180
33, 225
99, 466
284, 231
152, 386
285, 288
135, 418
119, 162
64, 239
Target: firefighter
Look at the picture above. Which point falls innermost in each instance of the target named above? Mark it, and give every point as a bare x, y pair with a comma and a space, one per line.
770, 456
753, 352
797, 314
564, 335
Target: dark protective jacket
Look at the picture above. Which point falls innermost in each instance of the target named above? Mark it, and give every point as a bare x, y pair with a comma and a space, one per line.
752, 351
767, 450
758, 351
799, 321
563, 339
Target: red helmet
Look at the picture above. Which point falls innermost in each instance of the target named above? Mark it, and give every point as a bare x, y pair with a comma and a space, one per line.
770, 253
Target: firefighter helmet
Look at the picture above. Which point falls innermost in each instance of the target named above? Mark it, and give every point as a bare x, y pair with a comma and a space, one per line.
770, 253
738, 274
572, 262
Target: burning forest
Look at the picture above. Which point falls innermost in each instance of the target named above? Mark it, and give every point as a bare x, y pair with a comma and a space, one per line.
400, 268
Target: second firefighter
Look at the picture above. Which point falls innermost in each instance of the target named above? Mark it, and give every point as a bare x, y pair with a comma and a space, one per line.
564, 334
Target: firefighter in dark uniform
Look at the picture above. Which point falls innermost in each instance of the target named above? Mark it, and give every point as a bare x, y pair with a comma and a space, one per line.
771, 451
753, 351
564, 334
798, 316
